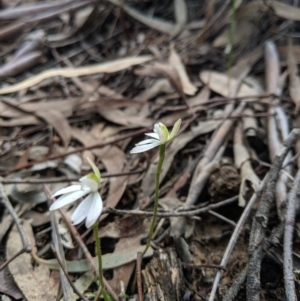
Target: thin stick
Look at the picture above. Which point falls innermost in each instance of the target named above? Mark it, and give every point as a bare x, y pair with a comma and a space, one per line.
261, 219
221, 217
76, 291
235, 287
290, 289
64, 179
201, 266
57, 245
234, 238
26, 247
171, 213
86, 251
139, 276
8, 261
98, 293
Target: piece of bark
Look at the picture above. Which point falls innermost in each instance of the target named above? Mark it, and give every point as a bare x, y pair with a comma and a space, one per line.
163, 277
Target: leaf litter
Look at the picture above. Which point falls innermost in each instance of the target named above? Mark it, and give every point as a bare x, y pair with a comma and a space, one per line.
88, 79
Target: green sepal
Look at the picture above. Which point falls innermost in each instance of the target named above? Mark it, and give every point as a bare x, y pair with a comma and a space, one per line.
96, 170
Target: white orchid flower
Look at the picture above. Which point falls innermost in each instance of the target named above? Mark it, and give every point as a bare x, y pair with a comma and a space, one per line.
91, 207
159, 136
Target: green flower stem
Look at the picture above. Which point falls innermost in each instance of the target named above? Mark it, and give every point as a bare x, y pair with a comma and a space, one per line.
162, 149
99, 255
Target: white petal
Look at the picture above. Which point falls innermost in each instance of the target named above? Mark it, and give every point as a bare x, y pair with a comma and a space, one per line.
156, 128
68, 189
153, 135
147, 141
90, 183
68, 199
95, 210
143, 148
163, 133
82, 210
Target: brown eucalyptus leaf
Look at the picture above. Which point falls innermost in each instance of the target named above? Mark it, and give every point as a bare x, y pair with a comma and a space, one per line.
155, 23
113, 159
123, 118
34, 281
162, 69
8, 285
181, 17
285, 11
221, 84
188, 87
20, 121
126, 226
106, 67
56, 119
109, 261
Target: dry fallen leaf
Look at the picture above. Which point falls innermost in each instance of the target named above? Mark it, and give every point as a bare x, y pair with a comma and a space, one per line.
188, 87
118, 116
163, 69
21, 121
285, 11
66, 107
122, 227
222, 84
113, 159
83, 283
8, 286
124, 272
199, 99
159, 86
35, 282
107, 67
58, 122
181, 16
157, 24
109, 261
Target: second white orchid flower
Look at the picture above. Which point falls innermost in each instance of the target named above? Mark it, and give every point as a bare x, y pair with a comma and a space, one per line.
91, 207
160, 135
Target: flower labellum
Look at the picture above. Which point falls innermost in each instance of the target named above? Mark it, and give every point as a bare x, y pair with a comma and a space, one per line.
91, 207
159, 136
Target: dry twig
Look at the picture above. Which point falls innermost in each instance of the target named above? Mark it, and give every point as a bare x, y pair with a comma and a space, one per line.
261, 219
234, 238
171, 213
76, 291
26, 247
290, 288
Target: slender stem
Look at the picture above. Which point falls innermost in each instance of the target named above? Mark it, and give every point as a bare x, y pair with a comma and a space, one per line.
162, 149
99, 255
